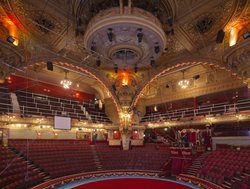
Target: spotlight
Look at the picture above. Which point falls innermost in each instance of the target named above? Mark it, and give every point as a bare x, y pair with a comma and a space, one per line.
246, 34
93, 47
170, 31
50, 65
114, 87
139, 35
98, 62
220, 36
157, 48
170, 21
152, 61
110, 34
10, 39
116, 68
136, 68
196, 77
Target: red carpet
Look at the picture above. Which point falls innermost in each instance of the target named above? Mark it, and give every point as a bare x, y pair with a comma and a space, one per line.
132, 183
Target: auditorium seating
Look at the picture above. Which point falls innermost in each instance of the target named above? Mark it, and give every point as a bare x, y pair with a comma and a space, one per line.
148, 157
15, 172
226, 166
44, 105
217, 109
56, 158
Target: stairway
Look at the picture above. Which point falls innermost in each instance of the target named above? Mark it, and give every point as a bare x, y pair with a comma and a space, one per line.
196, 164
97, 161
46, 176
228, 184
15, 103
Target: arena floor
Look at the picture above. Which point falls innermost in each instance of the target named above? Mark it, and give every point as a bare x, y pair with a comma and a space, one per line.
128, 183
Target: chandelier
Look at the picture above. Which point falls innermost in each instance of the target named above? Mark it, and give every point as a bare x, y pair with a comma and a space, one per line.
184, 82
66, 83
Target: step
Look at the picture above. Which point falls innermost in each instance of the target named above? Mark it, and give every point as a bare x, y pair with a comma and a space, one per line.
225, 186
238, 179
227, 183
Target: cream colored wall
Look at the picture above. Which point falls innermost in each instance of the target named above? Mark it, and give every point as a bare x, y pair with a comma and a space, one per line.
41, 134
234, 141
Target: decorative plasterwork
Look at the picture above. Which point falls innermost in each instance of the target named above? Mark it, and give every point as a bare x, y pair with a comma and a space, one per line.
44, 25
193, 92
219, 14
238, 57
124, 27
177, 66
11, 59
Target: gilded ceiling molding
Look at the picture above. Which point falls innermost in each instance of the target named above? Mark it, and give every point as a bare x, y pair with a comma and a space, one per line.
12, 59
203, 27
238, 58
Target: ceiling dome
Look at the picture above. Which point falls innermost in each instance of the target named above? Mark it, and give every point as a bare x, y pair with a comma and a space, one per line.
126, 38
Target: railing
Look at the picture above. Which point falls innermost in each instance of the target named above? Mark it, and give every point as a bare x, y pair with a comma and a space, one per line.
197, 181
43, 105
206, 110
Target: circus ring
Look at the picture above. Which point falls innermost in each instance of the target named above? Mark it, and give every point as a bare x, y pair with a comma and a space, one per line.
119, 179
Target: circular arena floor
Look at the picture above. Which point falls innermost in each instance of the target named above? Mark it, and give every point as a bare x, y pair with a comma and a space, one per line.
128, 183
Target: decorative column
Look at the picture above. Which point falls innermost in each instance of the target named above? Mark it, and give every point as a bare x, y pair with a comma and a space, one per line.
125, 127
121, 6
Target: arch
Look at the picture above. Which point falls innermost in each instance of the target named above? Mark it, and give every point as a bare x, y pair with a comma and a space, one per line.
83, 70
179, 65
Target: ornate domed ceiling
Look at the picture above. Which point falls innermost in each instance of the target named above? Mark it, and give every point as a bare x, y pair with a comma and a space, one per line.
145, 42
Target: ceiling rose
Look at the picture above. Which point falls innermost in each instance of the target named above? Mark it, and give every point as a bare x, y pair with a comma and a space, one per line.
125, 38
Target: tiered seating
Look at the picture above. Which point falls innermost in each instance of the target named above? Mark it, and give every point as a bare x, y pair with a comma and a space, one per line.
39, 104
212, 109
148, 157
58, 158
31, 161
225, 166
5, 101
15, 172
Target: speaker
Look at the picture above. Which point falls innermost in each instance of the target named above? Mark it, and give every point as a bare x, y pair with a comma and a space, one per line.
50, 65
220, 36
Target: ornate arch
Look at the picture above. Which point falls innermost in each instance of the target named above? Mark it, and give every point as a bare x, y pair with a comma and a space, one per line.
99, 78
155, 75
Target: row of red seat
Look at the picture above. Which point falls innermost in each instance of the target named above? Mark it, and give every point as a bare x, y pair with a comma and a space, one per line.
225, 165
15, 172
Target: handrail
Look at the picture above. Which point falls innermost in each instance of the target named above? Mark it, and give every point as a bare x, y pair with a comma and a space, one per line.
219, 108
198, 181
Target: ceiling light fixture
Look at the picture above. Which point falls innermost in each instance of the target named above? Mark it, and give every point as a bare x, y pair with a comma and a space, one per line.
66, 83
110, 34
139, 35
157, 48
98, 62
184, 83
152, 61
